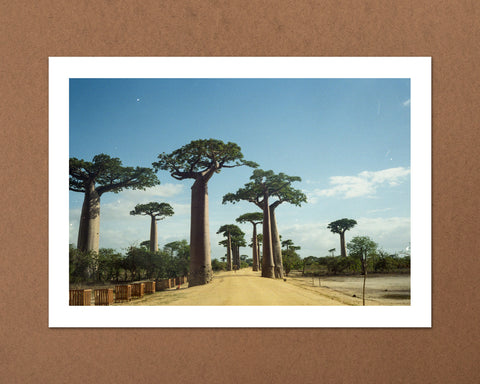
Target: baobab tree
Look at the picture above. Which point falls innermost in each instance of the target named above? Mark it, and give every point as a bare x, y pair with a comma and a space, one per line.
236, 241
253, 218
93, 179
200, 160
229, 231
266, 185
340, 227
157, 212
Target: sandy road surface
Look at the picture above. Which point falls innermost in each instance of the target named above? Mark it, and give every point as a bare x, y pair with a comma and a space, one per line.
243, 287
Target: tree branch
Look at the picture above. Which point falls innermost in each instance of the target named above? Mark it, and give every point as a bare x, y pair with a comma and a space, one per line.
75, 189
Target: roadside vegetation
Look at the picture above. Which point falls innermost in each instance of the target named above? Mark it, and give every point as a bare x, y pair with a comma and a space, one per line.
136, 264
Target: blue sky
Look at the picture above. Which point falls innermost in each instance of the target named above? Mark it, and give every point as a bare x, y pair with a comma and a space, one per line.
348, 139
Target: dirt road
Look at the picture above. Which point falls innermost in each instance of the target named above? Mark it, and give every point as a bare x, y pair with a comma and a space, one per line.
246, 287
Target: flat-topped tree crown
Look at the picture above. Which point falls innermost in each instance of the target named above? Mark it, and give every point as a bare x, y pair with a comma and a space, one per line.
268, 184
157, 210
199, 160
253, 217
108, 175
230, 228
341, 225
202, 158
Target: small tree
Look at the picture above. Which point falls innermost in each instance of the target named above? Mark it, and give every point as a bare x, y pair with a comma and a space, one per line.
157, 212
180, 253
340, 227
93, 179
308, 261
361, 247
200, 160
291, 260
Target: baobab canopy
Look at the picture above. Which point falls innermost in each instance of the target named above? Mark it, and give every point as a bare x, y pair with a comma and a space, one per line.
267, 182
108, 175
158, 210
200, 156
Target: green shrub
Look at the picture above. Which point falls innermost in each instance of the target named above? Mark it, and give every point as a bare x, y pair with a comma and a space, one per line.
219, 265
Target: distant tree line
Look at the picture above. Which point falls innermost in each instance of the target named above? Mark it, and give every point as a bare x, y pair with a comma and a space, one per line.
364, 256
138, 263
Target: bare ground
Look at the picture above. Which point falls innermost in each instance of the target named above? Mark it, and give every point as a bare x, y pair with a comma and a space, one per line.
246, 287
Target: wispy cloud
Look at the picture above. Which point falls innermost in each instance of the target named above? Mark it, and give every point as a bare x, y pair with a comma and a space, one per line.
406, 103
365, 184
379, 210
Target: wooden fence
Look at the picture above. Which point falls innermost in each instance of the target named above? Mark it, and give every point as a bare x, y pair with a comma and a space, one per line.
123, 293
149, 287
138, 290
80, 297
161, 285
104, 296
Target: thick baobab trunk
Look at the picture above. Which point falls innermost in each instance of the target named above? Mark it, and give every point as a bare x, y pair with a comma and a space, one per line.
229, 253
255, 248
89, 229
153, 235
200, 262
276, 246
267, 261
342, 244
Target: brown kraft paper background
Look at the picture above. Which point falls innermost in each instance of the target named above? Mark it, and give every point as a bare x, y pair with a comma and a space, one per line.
31, 31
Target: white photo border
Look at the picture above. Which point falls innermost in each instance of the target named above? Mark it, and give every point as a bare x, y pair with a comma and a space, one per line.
418, 314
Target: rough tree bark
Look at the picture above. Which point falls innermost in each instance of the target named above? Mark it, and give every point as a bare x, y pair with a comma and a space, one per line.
237, 256
276, 245
89, 229
259, 256
342, 244
153, 235
268, 264
200, 261
255, 248
229, 253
